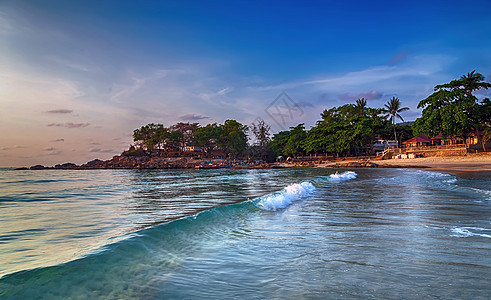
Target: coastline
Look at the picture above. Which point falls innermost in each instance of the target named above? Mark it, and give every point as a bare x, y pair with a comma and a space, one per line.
470, 163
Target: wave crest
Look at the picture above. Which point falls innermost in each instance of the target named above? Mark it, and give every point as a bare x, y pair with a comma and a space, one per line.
286, 196
343, 176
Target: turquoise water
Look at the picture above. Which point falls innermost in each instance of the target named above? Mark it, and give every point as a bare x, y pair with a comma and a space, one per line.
249, 234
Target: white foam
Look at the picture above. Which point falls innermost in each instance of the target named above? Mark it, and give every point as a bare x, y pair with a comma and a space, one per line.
487, 193
286, 196
343, 176
466, 232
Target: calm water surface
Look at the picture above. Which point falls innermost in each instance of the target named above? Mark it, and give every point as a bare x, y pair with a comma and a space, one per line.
250, 234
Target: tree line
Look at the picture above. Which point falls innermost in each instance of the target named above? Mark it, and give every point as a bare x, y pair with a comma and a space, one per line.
229, 138
351, 129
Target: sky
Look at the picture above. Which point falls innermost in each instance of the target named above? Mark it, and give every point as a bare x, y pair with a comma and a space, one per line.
77, 77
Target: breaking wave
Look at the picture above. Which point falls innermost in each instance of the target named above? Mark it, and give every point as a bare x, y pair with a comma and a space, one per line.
286, 196
297, 191
343, 176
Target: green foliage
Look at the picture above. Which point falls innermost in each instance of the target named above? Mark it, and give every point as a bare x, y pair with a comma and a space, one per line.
348, 129
207, 137
279, 141
233, 138
360, 105
295, 142
345, 129
453, 110
150, 135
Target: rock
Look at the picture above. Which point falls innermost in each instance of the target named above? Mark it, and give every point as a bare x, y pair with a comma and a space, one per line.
67, 166
38, 167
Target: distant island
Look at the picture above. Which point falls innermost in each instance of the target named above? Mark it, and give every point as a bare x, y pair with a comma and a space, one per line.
452, 115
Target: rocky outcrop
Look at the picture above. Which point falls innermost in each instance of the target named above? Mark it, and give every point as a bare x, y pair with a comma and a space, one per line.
140, 162
128, 162
66, 166
39, 167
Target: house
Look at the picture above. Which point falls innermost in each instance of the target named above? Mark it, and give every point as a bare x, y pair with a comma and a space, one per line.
191, 147
381, 145
473, 138
418, 141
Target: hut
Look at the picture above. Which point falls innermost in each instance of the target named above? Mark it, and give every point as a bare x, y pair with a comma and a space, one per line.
418, 141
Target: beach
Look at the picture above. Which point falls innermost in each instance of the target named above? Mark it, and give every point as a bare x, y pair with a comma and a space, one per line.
469, 163
450, 164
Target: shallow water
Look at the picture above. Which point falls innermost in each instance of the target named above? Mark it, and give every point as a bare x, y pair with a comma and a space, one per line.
305, 233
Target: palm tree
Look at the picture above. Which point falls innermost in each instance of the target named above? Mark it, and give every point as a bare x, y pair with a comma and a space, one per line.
361, 104
392, 110
471, 82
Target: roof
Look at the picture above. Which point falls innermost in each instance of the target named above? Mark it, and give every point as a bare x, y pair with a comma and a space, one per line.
417, 139
477, 133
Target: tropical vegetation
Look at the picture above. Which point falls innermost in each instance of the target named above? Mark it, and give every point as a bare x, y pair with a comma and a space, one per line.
453, 109
350, 129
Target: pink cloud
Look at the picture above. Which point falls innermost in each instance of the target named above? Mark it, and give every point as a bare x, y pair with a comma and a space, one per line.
60, 111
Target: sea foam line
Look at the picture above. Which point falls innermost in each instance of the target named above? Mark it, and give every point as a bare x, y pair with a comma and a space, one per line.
466, 232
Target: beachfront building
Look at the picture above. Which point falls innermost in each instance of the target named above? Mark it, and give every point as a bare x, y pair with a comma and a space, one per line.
418, 141
474, 137
191, 147
381, 145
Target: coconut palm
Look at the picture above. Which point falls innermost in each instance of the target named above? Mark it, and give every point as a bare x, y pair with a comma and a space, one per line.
392, 110
471, 82
361, 104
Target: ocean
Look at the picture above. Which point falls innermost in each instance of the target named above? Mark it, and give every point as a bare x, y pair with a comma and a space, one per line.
244, 234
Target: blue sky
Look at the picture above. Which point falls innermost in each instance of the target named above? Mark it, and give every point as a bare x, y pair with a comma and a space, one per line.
76, 77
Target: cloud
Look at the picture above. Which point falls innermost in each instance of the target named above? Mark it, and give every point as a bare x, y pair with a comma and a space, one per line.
411, 114
68, 63
57, 140
304, 104
399, 57
136, 82
15, 147
372, 95
193, 117
51, 151
224, 91
69, 125
60, 111
415, 67
97, 150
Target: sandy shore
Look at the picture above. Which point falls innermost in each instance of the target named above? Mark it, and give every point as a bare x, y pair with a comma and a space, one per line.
454, 164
